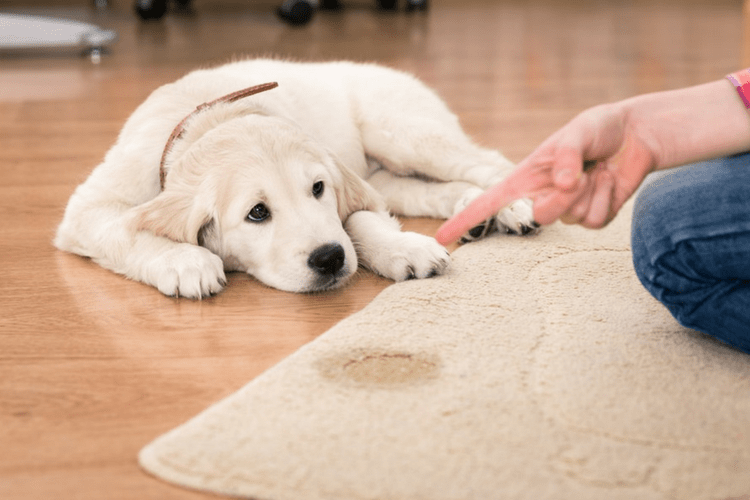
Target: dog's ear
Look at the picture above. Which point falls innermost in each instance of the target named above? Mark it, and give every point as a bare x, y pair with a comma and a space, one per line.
354, 193
176, 215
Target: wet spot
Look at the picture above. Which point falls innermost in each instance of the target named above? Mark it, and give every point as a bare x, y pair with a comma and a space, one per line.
380, 368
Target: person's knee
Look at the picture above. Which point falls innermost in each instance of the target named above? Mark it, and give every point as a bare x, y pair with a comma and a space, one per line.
648, 228
663, 261
674, 271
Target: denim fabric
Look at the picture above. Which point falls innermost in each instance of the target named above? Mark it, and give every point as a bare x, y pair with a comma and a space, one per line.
691, 245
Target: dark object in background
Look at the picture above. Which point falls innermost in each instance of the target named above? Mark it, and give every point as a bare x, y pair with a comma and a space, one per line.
155, 9
150, 9
412, 5
295, 12
299, 12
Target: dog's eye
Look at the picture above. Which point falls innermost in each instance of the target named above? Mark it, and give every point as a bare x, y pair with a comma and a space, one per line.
318, 189
259, 213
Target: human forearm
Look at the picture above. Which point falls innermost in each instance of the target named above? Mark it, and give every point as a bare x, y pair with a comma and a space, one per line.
692, 124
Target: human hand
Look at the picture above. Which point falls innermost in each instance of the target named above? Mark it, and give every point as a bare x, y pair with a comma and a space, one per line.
596, 162
582, 174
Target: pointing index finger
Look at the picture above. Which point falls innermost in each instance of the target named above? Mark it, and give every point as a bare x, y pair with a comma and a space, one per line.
524, 182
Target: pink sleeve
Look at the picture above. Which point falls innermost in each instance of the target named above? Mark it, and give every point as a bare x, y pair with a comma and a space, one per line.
741, 81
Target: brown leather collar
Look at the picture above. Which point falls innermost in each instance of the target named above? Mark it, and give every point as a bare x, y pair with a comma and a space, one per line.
180, 128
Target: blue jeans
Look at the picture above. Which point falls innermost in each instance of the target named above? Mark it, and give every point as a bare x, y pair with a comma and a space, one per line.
691, 245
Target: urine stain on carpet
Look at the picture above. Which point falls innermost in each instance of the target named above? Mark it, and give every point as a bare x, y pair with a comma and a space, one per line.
380, 368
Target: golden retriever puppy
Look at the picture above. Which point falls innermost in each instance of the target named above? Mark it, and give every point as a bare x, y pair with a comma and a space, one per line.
291, 183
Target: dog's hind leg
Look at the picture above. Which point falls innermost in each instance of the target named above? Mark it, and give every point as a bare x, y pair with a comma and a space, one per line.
416, 197
436, 149
415, 149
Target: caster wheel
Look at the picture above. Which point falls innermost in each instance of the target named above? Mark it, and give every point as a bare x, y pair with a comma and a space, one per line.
296, 12
387, 4
151, 9
412, 5
183, 5
330, 5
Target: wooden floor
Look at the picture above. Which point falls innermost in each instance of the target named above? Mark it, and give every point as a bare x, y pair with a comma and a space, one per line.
92, 366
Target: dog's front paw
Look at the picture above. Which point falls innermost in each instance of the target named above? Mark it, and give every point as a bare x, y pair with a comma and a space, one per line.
188, 271
517, 218
411, 256
480, 230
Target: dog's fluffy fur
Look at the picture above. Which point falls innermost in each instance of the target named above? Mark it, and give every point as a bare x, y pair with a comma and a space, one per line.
292, 186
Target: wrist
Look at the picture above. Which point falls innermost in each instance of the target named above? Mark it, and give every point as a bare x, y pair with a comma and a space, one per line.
640, 125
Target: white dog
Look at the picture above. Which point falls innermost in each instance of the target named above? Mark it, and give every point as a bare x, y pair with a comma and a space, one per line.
291, 184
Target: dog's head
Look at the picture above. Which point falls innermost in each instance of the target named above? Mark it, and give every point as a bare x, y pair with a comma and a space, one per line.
266, 198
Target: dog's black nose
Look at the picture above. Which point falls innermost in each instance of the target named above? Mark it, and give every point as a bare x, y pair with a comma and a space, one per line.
327, 259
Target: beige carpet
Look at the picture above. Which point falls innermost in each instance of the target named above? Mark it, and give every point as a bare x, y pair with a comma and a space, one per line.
537, 368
